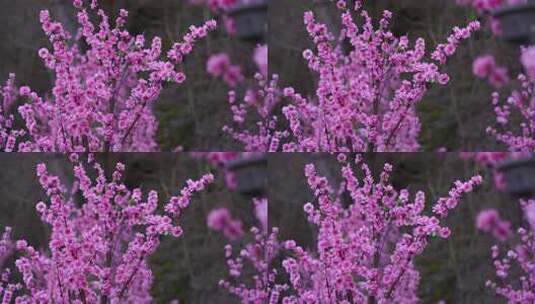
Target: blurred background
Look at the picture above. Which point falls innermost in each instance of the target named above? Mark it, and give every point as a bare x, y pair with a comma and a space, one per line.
454, 270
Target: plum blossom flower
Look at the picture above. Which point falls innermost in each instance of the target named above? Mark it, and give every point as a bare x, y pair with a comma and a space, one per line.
364, 252
221, 220
218, 65
528, 61
365, 98
489, 221
261, 59
103, 96
485, 67
102, 235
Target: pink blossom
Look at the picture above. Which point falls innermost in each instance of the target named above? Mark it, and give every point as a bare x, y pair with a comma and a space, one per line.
498, 77
489, 221
515, 286
483, 66
219, 65
261, 212
499, 181
529, 211
218, 218
491, 158
528, 61
261, 59
221, 160
233, 230
495, 26
354, 108
230, 25
221, 220
520, 137
486, 5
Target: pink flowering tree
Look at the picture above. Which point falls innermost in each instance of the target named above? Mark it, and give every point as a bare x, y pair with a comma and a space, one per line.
102, 234
106, 82
365, 250
220, 66
258, 254
258, 103
513, 256
515, 119
260, 98
515, 116
514, 264
259, 247
364, 99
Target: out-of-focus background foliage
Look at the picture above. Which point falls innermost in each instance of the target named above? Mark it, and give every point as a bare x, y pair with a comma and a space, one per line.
453, 270
454, 117
188, 268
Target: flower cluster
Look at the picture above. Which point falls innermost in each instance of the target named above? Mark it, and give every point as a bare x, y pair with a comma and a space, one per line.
485, 67
523, 101
364, 251
260, 57
260, 253
262, 101
488, 159
219, 65
261, 211
509, 284
365, 98
484, 9
221, 220
103, 94
256, 97
489, 221
102, 234
528, 61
